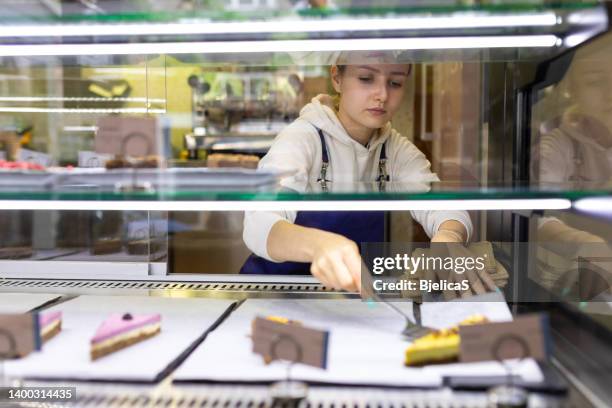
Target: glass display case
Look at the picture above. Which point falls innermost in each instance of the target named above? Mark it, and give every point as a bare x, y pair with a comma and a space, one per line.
136, 136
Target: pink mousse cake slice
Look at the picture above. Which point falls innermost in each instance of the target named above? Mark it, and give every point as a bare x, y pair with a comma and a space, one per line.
119, 331
50, 324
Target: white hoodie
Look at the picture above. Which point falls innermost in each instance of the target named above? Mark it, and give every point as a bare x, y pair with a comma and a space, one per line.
297, 150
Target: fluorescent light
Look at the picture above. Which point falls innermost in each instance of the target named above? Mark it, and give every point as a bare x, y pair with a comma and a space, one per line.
80, 128
28, 109
600, 205
231, 47
573, 40
301, 205
591, 22
105, 72
589, 17
544, 19
76, 99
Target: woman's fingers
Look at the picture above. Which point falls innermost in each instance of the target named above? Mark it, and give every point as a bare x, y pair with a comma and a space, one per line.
449, 294
435, 275
488, 282
316, 272
342, 274
337, 263
475, 282
320, 271
353, 262
332, 270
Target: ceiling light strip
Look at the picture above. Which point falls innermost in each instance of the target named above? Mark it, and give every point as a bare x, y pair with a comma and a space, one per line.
302, 205
28, 109
231, 47
600, 205
77, 99
545, 19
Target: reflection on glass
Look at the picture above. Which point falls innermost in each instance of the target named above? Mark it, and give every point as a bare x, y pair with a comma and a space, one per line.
83, 236
576, 150
15, 236
577, 145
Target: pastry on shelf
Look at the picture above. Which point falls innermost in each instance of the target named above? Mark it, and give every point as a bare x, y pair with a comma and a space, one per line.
118, 162
217, 160
277, 319
74, 228
283, 320
119, 331
441, 346
143, 246
50, 324
16, 252
20, 165
145, 162
106, 246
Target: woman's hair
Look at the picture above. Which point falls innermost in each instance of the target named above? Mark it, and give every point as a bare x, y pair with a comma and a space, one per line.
342, 68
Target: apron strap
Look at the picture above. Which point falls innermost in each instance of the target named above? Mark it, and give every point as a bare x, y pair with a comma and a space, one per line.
578, 161
324, 162
382, 177
324, 158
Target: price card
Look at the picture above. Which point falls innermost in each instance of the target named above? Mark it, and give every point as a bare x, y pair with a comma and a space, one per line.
19, 335
31, 156
127, 136
290, 341
525, 336
93, 159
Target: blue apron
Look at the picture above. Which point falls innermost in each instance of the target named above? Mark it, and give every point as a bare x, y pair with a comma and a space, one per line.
358, 226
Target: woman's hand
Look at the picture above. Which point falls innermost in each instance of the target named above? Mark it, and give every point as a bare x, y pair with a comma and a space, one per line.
336, 262
447, 236
454, 233
450, 231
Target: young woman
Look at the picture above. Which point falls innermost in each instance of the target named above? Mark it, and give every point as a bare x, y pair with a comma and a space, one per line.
350, 141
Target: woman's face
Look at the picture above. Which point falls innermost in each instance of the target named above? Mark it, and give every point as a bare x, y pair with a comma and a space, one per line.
370, 94
593, 91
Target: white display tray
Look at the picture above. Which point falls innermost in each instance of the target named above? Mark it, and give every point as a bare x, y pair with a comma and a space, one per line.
168, 179
66, 356
365, 346
26, 180
24, 302
98, 179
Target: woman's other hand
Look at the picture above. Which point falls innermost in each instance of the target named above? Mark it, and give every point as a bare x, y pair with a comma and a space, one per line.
450, 231
336, 262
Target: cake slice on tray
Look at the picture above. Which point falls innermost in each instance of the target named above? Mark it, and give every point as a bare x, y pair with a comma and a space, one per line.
119, 331
440, 346
50, 324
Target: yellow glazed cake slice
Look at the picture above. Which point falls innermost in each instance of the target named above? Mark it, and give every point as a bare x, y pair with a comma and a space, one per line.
440, 346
